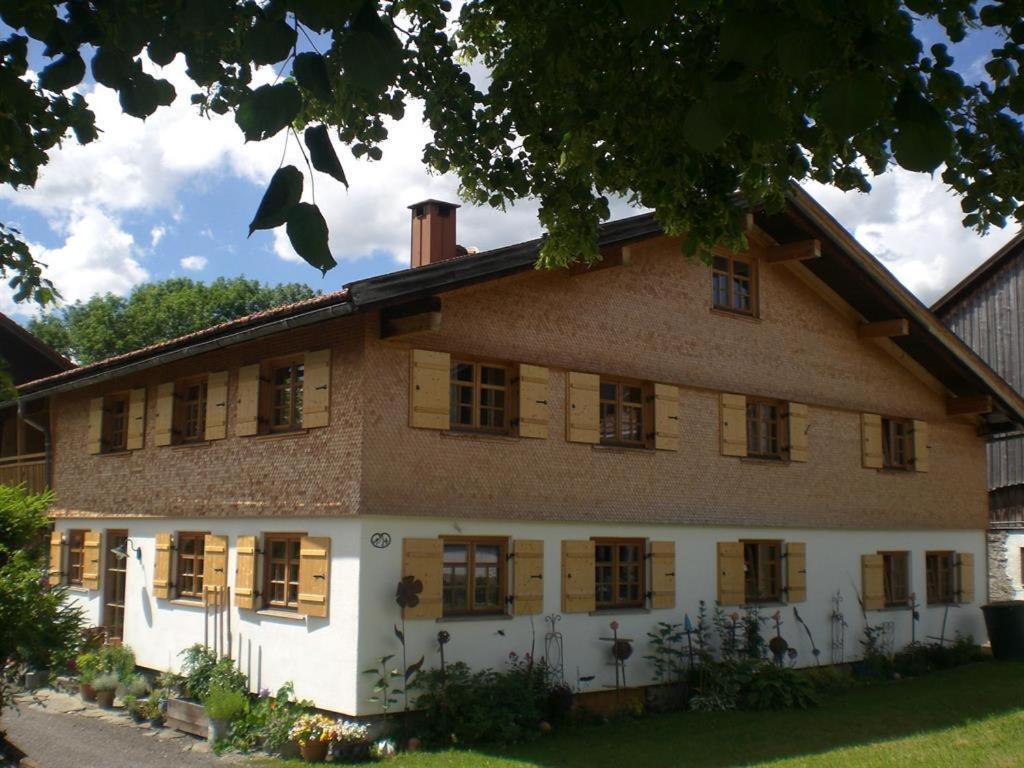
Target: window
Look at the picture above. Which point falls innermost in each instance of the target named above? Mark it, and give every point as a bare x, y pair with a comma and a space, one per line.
763, 429
622, 413
115, 423
938, 568
479, 397
734, 284
286, 396
897, 443
192, 411
762, 566
896, 576
473, 576
190, 565
281, 579
76, 557
619, 573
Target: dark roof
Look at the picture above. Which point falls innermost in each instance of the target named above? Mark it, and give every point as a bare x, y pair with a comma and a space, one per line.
28, 356
981, 273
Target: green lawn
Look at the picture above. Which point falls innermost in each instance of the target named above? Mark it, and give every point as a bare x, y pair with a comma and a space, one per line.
971, 716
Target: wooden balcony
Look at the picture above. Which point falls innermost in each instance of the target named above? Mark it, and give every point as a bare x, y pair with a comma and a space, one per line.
29, 469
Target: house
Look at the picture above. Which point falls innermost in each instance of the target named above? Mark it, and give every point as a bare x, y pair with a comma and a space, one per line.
545, 451
984, 309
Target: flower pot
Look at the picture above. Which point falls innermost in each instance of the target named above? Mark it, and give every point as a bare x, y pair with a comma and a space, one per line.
36, 678
87, 691
105, 699
156, 722
1005, 624
218, 730
313, 751
137, 716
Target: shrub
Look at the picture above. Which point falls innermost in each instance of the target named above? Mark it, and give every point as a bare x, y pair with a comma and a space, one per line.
106, 681
203, 671
922, 658
224, 703
753, 684
828, 679
138, 686
88, 665
267, 721
118, 660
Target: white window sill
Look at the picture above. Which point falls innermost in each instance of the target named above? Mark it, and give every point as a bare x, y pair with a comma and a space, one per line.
187, 603
619, 611
478, 617
271, 613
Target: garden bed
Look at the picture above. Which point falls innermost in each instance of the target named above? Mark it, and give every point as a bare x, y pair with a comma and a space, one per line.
187, 716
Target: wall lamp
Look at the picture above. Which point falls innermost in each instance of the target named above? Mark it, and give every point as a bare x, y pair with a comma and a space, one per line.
121, 551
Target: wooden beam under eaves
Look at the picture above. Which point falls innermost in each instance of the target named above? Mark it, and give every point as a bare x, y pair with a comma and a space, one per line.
420, 316
611, 256
801, 251
974, 405
884, 329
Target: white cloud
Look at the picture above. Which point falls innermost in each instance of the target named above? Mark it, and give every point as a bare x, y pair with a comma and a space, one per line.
194, 263
156, 234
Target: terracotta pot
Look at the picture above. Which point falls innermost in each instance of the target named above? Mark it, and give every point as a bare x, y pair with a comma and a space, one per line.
314, 751
87, 691
105, 699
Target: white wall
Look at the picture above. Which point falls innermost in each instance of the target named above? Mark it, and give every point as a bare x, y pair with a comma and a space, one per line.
1014, 541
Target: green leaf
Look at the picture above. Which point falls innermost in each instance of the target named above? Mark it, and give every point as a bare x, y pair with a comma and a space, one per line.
852, 105
371, 53
923, 140
270, 40
141, 95
702, 127
162, 50
64, 73
283, 193
324, 14
310, 72
308, 233
267, 110
111, 68
322, 154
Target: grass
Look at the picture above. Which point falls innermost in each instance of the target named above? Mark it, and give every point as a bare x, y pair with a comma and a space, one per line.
971, 716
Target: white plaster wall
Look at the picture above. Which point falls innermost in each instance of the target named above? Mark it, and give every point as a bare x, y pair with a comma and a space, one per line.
1014, 542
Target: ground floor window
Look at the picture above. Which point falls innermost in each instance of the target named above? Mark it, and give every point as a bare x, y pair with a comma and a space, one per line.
939, 569
281, 576
76, 557
619, 574
190, 565
473, 576
896, 575
762, 567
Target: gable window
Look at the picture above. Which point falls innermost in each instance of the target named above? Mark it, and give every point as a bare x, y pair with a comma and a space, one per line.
763, 429
762, 566
479, 396
939, 576
896, 578
115, 422
734, 284
473, 576
897, 443
191, 548
622, 413
286, 396
76, 557
192, 405
619, 573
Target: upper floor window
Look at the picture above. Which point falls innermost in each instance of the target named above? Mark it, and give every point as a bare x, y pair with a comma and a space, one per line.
622, 413
115, 422
619, 573
479, 396
286, 395
762, 566
734, 284
897, 443
763, 429
281, 576
896, 577
191, 552
939, 576
76, 557
192, 407
473, 576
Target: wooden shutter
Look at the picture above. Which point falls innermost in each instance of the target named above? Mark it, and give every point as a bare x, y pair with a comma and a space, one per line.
422, 559
734, 424
136, 418
920, 437
583, 395
796, 572
663, 574
533, 401
245, 572
872, 579
796, 424
164, 416
666, 417
578, 583
316, 389
871, 440
162, 566
429, 382
56, 570
215, 565
528, 584
731, 584
247, 415
95, 440
314, 575
216, 406
91, 560
965, 577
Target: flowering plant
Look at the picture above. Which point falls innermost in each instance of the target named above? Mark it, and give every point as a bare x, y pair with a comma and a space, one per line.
382, 749
310, 728
349, 732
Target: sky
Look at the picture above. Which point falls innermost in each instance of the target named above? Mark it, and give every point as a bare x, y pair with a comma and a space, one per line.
172, 197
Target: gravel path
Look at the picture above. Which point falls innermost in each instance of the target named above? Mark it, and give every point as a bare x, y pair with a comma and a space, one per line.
57, 731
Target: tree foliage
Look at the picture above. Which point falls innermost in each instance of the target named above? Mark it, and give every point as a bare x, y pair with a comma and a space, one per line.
110, 325
677, 105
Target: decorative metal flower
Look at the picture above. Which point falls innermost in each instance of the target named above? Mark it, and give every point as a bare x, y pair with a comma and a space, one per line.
614, 625
408, 593
622, 650
443, 637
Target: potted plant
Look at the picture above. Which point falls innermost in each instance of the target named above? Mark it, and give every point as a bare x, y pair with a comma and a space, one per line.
138, 689
88, 665
222, 706
152, 708
351, 741
313, 734
105, 685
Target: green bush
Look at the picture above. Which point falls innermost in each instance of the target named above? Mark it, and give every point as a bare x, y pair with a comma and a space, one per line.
921, 658
830, 679
267, 721
138, 686
203, 671
118, 660
224, 703
106, 681
752, 684
88, 666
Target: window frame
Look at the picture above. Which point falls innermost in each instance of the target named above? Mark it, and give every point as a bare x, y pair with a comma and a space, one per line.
905, 441
296, 388
73, 551
889, 559
268, 562
476, 385
619, 404
181, 404
777, 421
730, 277
109, 400
778, 594
933, 581
615, 564
198, 565
471, 542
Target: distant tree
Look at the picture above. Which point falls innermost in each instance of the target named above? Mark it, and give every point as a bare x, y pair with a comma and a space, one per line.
153, 312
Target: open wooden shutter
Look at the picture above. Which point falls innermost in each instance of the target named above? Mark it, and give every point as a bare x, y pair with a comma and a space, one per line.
663, 574
731, 584
164, 416
871, 440
666, 417
215, 566
162, 566
91, 560
965, 577
245, 572
872, 581
796, 425
422, 559
316, 389
734, 424
314, 575
528, 584
796, 572
216, 406
583, 396
55, 573
429, 382
247, 415
533, 401
95, 439
136, 418
578, 583
920, 437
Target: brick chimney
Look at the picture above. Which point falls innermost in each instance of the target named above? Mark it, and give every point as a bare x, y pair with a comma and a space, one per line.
433, 232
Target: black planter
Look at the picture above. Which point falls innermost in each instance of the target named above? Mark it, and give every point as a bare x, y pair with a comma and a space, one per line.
1005, 624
